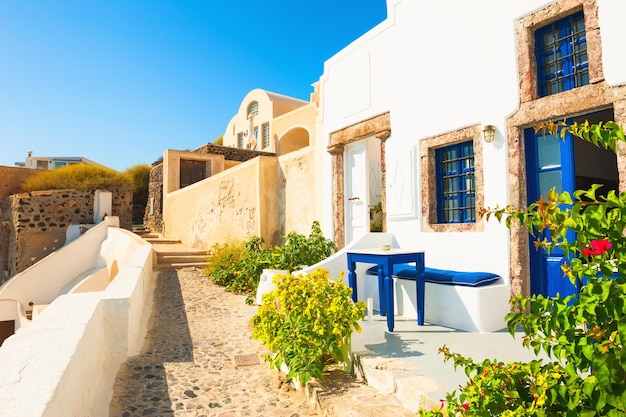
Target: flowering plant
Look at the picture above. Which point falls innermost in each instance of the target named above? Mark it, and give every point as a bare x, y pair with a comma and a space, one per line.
580, 333
597, 247
306, 322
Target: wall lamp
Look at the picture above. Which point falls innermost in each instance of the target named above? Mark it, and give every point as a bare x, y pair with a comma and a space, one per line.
489, 133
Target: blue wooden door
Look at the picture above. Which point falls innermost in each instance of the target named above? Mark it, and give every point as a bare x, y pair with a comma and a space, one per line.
549, 163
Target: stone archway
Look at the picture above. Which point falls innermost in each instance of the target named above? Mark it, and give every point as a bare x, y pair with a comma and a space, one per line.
377, 126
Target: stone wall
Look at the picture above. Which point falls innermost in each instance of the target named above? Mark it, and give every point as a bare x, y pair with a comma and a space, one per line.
231, 154
34, 224
153, 216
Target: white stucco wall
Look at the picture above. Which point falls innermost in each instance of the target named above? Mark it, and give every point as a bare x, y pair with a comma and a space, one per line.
611, 17
64, 363
438, 67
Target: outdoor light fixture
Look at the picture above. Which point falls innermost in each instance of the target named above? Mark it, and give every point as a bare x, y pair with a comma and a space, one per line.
489, 133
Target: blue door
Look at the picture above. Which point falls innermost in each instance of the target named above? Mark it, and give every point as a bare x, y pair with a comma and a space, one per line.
549, 163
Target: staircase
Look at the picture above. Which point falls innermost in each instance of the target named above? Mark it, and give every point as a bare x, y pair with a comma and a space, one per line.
170, 253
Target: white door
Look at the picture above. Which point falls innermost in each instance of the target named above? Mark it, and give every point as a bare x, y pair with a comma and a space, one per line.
356, 193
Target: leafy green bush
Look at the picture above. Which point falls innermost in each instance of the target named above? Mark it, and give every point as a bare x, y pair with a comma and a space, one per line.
78, 177
584, 336
299, 250
222, 265
306, 321
242, 273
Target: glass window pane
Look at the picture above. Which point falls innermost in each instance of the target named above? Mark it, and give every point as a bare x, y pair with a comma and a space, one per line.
550, 179
548, 151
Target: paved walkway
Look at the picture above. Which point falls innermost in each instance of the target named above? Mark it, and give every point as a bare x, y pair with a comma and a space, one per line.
187, 364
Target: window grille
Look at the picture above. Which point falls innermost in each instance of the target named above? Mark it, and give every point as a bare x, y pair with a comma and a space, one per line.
253, 108
561, 53
456, 192
240, 140
266, 135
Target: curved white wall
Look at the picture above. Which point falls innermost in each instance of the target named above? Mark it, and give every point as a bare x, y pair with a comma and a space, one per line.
64, 363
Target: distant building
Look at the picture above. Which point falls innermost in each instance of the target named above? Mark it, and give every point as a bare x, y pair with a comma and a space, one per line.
49, 162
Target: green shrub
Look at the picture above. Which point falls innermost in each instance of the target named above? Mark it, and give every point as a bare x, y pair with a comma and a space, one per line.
223, 262
306, 321
299, 250
78, 177
242, 274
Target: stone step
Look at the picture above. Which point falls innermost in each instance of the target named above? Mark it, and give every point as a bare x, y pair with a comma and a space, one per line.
185, 251
161, 240
395, 378
148, 235
340, 395
180, 265
181, 258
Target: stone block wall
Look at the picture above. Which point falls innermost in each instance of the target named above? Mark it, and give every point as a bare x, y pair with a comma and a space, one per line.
232, 154
34, 224
153, 216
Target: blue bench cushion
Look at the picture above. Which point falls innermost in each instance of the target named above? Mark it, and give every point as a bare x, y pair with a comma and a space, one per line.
442, 276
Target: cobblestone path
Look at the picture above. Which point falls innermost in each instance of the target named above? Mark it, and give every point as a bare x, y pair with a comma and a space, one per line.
187, 366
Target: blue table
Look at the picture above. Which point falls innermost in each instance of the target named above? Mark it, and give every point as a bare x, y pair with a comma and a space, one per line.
386, 260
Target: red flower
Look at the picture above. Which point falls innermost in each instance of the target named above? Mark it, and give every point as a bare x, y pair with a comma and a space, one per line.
465, 406
598, 247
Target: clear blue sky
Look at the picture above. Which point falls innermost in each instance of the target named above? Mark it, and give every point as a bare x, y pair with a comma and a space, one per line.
119, 81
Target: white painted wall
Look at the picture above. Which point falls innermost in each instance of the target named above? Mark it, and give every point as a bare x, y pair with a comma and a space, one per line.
611, 14
41, 283
437, 67
64, 363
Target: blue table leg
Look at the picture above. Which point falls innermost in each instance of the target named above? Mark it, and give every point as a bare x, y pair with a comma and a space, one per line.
420, 288
352, 278
389, 295
382, 301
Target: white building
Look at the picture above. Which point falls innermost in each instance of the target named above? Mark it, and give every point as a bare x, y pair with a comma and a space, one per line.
423, 85
50, 162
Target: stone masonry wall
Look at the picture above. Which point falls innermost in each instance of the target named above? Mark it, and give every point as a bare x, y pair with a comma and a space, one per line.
231, 154
34, 224
153, 219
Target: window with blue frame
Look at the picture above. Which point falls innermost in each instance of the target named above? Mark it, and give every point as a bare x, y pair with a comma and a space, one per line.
561, 53
456, 192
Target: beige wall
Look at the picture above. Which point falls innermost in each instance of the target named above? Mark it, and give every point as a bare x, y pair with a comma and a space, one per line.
298, 197
11, 178
266, 196
231, 205
171, 161
296, 129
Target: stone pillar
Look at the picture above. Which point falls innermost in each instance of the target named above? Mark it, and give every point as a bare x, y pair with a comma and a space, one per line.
337, 191
383, 136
